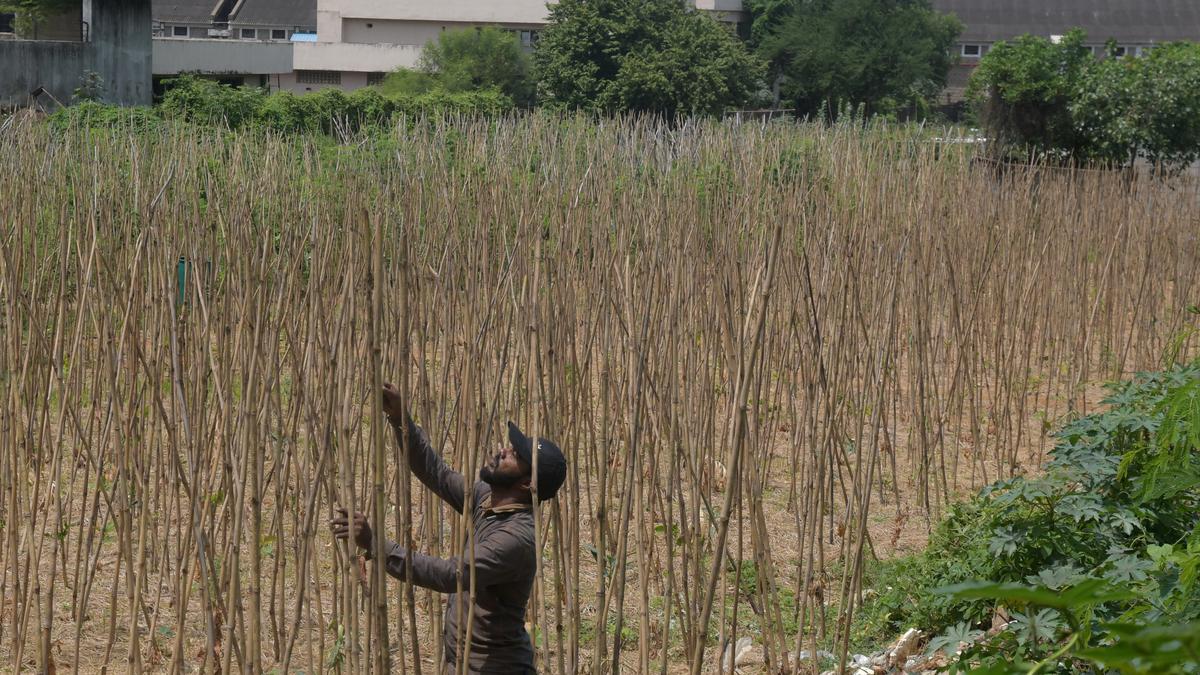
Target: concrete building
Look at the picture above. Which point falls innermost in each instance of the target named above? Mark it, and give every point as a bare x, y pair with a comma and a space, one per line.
360, 41
46, 61
1135, 25
239, 42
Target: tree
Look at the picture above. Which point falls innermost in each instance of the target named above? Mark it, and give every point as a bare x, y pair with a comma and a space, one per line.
642, 55
470, 59
1057, 100
879, 54
1022, 91
1149, 107
765, 17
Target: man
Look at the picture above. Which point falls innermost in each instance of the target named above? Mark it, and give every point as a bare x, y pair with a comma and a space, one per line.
504, 556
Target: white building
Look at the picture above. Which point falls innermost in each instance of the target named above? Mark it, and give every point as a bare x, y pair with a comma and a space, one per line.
360, 41
308, 45
241, 42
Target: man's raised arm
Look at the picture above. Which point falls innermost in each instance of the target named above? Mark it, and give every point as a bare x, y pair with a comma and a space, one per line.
428, 466
425, 462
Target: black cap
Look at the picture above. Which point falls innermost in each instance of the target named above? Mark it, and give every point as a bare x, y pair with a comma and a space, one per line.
552, 464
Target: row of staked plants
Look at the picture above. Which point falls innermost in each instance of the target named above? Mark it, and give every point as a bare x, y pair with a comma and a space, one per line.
1092, 564
330, 111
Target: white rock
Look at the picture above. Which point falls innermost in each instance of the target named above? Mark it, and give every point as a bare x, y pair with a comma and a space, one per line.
903, 647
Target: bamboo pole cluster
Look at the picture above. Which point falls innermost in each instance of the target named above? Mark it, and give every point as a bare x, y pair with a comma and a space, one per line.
769, 352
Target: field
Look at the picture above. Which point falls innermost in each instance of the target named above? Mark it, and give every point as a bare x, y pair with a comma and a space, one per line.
770, 353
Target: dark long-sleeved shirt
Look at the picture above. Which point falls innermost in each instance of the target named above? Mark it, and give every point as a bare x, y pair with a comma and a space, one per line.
505, 565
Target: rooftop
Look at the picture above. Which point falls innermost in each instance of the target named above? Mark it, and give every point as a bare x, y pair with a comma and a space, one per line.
1126, 21
242, 12
275, 12
183, 11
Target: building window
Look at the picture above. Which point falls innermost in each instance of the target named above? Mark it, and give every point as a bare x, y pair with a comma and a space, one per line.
529, 38
278, 34
249, 34
1119, 52
972, 51
179, 31
6, 22
318, 77
375, 78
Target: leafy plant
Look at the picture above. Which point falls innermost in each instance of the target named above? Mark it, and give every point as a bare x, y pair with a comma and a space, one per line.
1094, 560
954, 638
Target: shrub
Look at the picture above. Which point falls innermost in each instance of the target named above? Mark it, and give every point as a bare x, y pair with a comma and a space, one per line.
95, 115
1113, 525
204, 101
329, 111
476, 59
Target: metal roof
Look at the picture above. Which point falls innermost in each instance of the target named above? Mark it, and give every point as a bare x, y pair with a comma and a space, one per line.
275, 13
183, 11
1126, 21
299, 13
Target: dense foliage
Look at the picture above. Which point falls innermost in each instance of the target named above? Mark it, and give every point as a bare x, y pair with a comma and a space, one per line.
1093, 562
642, 55
471, 59
1056, 99
881, 55
1023, 90
330, 111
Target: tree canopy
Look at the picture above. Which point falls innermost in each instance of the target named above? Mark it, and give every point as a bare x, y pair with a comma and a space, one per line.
642, 55
880, 54
1057, 99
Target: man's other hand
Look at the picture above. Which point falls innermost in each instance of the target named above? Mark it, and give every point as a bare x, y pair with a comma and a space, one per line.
393, 407
343, 526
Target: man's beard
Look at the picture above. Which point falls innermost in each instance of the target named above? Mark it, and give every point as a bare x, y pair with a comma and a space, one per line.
489, 475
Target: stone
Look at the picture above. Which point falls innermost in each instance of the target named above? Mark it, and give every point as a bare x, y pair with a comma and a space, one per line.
903, 647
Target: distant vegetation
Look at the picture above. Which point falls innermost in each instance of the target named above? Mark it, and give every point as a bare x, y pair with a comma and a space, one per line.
1059, 101
468, 60
651, 56
330, 111
881, 56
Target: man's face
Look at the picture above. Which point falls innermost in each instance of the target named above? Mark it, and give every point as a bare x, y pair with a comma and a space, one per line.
504, 468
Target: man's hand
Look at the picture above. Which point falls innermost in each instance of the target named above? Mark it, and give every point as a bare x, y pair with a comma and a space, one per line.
343, 526
393, 407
